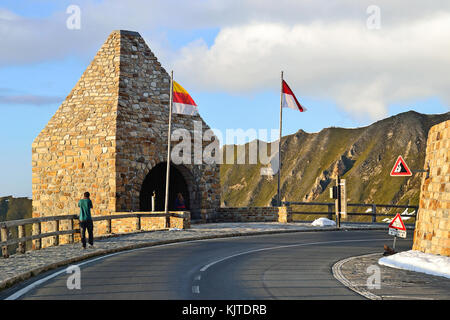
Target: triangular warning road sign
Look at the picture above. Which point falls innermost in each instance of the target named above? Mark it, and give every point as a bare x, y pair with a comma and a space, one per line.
397, 223
400, 168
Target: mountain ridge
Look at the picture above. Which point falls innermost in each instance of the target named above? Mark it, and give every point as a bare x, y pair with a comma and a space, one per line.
363, 156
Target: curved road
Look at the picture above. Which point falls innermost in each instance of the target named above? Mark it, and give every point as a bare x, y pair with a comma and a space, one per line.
280, 266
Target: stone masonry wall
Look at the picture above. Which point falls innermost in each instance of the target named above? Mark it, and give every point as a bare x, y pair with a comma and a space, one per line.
250, 214
432, 233
180, 220
76, 152
142, 126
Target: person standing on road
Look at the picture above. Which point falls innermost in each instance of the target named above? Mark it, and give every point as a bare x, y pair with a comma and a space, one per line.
85, 205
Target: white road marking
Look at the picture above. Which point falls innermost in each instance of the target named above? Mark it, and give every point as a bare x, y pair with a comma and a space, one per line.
198, 277
206, 267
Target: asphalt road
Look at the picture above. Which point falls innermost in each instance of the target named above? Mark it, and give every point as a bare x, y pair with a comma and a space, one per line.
280, 266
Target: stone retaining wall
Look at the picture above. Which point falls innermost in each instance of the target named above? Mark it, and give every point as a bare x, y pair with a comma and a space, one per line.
248, 214
432, 233
181, 220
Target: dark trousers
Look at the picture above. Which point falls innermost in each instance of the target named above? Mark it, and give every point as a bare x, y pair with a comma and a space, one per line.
89, 225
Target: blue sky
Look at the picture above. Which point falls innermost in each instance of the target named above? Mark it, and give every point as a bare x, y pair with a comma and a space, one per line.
346, 75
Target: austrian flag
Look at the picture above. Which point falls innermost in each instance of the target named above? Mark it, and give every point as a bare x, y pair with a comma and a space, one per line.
289, 100
182, 101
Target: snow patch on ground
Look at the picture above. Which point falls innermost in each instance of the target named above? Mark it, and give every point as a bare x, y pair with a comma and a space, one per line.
323, 222
418, 261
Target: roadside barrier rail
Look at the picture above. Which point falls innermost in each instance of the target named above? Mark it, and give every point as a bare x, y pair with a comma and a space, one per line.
6, 227
331, 209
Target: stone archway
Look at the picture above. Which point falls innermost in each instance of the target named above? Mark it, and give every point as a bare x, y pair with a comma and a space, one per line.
155, 181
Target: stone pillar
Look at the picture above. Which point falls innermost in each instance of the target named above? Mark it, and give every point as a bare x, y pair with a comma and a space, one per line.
180, 220
432, 232
285, 214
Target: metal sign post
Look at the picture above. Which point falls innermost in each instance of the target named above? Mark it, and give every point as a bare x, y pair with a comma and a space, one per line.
343, 194
338, 201
397, 228
341, 200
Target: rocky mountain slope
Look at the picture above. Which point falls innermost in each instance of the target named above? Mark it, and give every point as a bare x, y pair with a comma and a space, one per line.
14, 208
363, 156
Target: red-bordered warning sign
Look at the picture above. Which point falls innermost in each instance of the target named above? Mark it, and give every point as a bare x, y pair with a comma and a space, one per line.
397, 227
397, 223
400, 168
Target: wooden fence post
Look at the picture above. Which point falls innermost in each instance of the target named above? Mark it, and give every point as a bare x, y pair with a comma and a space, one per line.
70, 227
37, 231
4, 237
21, 234
56, 238
108, 226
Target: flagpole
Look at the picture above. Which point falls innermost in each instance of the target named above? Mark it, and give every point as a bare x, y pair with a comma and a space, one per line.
279, 141
166, 204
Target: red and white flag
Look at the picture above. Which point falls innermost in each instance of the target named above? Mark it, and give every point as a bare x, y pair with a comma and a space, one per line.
182, 101
289, 99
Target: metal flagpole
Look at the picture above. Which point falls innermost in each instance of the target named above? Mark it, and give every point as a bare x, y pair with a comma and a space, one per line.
166, 205
279, 141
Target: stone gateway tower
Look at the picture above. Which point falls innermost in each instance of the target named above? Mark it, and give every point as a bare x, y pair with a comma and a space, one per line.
109, 137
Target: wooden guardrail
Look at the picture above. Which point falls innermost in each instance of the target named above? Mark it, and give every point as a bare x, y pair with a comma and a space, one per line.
21, 239
331, 207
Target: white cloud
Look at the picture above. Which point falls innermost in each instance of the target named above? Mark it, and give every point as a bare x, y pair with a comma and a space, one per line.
36, 39
30, 40
362, 70
323, 46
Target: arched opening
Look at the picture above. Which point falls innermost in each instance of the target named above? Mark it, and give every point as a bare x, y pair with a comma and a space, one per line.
155, 181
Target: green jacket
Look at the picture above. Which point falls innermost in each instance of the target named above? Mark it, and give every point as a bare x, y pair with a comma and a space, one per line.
85, 209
